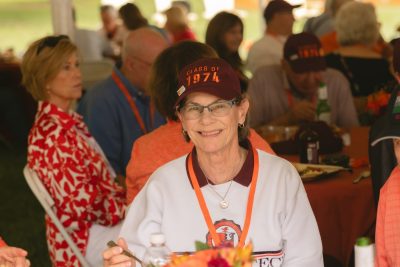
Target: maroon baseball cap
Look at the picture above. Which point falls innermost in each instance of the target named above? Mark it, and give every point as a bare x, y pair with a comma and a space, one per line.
275, 6
396, 56
304, 53
210, 75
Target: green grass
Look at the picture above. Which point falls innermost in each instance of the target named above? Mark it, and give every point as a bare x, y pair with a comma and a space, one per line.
21, 216
389, 18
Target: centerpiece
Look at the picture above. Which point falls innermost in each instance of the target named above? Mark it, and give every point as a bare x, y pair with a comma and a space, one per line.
214, 257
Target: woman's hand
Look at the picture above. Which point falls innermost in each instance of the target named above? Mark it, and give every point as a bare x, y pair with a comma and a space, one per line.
13, 257
113, 257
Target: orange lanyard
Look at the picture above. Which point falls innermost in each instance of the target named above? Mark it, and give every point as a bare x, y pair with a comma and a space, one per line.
132, 104
206, 213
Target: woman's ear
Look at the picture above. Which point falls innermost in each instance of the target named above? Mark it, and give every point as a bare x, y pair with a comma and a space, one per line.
178, 114
243, 109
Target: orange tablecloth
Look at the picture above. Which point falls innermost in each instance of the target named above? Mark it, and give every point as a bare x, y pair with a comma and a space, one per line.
344, 211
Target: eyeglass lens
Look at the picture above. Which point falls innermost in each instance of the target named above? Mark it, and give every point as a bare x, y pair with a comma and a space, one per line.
218, 109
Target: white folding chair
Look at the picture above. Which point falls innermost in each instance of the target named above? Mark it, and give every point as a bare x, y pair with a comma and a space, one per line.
47, 203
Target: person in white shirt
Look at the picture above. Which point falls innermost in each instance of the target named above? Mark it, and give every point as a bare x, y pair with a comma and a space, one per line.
268, 50
112, 29
224, 192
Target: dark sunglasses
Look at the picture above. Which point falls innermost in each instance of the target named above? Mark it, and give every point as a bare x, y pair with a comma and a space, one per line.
50, 41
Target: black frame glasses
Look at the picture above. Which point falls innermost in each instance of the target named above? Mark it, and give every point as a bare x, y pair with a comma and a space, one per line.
50, 41
214, 108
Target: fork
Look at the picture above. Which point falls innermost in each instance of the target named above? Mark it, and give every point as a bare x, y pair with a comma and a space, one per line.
363, 174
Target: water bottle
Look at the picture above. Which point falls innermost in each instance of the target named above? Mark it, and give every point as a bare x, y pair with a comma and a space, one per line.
157, 255
323, 108
364, 253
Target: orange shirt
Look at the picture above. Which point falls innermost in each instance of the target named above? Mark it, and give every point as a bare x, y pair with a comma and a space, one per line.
160, 146
388, 222
2, 243
329, 44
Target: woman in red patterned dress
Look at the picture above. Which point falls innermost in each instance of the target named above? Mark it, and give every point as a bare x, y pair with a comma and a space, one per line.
72, 166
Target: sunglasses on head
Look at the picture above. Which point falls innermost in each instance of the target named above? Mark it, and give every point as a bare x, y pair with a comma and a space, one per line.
50, 41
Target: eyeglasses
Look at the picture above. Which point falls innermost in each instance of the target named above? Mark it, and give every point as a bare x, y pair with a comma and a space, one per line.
217, 109
50, 41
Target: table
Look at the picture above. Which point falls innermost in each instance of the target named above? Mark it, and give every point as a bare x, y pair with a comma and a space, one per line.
344, 211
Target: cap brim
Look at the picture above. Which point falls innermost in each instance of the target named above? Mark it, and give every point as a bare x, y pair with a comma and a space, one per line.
384, 138
287, 8
208, 90
308, 65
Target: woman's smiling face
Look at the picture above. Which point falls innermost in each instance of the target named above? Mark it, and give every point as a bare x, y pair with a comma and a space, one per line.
233, 38
210, 133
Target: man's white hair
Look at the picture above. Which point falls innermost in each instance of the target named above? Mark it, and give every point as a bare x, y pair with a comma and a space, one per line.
356, 23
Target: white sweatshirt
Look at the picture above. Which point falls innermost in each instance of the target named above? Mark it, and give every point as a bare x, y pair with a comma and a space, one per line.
283, 228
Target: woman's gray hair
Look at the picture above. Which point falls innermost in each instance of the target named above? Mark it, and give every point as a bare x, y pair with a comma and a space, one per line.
356, 23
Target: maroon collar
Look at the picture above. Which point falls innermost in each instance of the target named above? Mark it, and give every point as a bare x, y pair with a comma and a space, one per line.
244, 175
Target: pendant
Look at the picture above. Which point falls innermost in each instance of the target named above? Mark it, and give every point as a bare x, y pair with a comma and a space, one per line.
224, 204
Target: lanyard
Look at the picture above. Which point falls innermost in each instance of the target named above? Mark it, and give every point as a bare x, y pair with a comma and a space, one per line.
132, 104
206, 213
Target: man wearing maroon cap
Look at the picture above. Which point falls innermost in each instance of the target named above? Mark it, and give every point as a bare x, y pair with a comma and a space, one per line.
287, 94
268, 50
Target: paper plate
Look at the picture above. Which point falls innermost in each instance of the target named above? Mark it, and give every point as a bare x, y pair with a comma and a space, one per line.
309, 172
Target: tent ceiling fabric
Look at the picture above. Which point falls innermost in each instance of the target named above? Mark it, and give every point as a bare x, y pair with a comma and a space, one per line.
61, 14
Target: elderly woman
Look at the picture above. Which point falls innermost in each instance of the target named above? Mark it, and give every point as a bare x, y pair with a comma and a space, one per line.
224, 192
225, 34
167, 140
357, 32
65, 156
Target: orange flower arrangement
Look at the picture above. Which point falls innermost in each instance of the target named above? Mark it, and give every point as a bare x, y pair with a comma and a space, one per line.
377, 102
222, 257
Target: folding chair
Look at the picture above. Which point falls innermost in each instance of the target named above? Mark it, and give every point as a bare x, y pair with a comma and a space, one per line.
47, 203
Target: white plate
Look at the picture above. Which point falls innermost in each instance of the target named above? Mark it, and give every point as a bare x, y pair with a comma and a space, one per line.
310, 172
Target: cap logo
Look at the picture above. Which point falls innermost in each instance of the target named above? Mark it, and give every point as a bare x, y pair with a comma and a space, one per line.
309, 51
181, 90
202, 74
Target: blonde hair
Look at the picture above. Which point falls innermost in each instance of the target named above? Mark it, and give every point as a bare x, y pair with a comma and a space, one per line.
41, 64
176, 18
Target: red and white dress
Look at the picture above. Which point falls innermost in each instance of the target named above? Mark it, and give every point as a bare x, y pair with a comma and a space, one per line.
78, 177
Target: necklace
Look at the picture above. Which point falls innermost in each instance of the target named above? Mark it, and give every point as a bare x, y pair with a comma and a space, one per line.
224, 204
204, 210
